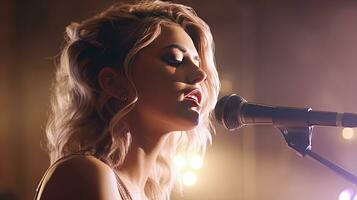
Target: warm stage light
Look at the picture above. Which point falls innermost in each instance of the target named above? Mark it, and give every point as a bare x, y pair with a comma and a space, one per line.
187, 166
196, 162
189, 178
347, 133
180, 161
345, 195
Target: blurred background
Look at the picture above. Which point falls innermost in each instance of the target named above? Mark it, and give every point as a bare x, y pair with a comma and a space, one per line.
296, 53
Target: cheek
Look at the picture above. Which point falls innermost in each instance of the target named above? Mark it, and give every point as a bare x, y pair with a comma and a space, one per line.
157, 90
152, 72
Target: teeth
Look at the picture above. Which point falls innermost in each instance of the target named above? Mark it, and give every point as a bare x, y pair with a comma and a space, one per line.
193, 97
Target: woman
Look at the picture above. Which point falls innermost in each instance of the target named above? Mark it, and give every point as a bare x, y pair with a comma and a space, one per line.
134, 87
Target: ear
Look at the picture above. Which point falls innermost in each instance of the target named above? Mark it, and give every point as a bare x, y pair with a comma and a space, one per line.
113, 83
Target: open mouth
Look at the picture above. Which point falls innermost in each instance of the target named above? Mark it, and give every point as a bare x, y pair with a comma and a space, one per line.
195, 96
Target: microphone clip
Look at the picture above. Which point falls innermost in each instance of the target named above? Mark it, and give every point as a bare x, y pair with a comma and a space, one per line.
298, 138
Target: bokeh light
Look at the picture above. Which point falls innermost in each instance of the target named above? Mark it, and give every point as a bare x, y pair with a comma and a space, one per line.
345, 195
189, 178
347, 133
187, 167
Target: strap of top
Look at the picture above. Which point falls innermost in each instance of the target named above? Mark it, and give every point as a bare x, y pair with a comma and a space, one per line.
124, 193
39, 187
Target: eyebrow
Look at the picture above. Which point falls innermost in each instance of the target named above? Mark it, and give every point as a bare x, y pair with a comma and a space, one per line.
181, 48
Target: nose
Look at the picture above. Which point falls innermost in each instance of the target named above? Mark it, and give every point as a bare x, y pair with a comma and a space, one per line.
197, 75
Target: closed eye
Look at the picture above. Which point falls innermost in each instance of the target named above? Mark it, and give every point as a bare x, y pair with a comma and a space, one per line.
173, 57
177, 55
173, 61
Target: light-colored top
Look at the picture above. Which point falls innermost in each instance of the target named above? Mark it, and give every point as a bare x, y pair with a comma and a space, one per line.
80, 159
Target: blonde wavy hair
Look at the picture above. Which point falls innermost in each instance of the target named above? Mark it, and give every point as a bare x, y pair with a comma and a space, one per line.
83, 118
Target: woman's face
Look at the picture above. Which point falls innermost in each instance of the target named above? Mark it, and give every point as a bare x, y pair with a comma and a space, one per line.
168, 78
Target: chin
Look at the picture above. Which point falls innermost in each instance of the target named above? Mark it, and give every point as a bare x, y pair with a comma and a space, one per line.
188, 122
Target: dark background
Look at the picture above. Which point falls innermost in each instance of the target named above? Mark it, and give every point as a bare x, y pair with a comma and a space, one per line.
297, 53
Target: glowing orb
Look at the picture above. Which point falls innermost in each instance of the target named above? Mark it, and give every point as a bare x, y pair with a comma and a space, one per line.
189, 178
345, 195
347, 133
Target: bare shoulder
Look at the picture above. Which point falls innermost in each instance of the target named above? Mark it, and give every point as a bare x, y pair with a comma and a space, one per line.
80, 177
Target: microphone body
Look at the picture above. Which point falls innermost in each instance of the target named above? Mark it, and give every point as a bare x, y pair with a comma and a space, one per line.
234, 112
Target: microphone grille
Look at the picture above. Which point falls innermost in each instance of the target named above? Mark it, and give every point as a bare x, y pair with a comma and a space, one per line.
227, 111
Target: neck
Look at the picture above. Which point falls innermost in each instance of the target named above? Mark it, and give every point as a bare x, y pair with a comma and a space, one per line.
148, 138
140, 159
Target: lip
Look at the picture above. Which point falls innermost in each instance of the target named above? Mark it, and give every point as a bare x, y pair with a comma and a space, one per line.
194, 96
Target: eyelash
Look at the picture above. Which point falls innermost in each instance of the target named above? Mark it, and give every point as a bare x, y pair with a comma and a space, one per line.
173, 61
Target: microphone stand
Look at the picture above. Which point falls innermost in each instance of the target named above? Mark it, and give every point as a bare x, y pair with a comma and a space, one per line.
299, 139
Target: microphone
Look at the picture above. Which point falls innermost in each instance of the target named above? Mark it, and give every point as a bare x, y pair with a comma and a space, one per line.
233, 112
